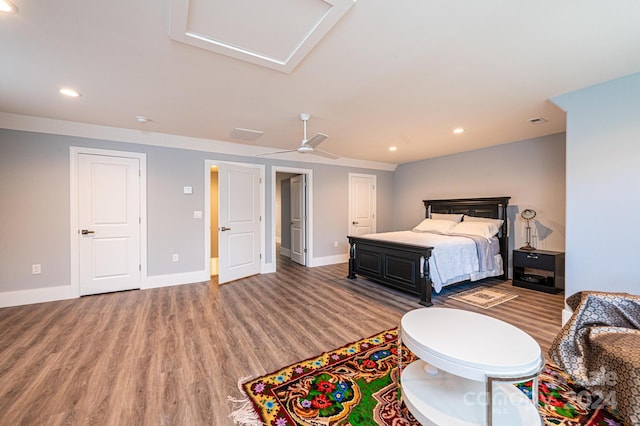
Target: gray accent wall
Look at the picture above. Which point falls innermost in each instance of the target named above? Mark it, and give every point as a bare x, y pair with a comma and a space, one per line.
35, 213
531, 172
603, 180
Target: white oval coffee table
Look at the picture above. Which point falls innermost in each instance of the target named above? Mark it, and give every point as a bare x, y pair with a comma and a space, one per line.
467, 365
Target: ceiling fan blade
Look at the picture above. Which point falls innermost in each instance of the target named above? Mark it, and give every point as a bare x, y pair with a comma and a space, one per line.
276, 152
316, 140
324, 154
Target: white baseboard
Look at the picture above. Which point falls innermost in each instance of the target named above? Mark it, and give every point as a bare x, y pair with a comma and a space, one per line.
566, 315
329, 260
158, 281
268, 268
285, 251
36, 295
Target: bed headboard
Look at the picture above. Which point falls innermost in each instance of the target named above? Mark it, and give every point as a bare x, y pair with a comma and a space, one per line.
493, 207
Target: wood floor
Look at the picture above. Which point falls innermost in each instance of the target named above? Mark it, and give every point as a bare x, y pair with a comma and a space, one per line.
171, 356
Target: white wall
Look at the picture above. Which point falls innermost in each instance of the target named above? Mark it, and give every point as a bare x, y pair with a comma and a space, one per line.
603, 186
531, 172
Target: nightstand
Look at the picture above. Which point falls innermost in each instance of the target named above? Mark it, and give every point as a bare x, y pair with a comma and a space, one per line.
540, 270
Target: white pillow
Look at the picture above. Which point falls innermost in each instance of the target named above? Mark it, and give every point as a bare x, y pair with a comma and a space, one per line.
481, 229
452, 217
435, 226
498, 222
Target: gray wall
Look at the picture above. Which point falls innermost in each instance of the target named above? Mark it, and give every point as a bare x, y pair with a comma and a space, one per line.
531, 172
603, 179
34, 218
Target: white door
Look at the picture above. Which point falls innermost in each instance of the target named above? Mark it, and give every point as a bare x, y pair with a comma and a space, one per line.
109, 221
298, 219
238, 221
362, 204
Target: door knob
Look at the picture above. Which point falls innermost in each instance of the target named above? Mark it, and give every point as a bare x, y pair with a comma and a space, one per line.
224, 228
354, 222
86, 231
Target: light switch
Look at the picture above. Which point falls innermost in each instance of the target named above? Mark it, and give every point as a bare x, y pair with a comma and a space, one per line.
188, 190
197, 214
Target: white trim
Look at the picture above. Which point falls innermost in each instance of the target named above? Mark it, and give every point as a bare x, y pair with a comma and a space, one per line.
181, 278
375, 200
330, 260
74, 153
309, 197
36, 295
264, 267
179, 30
269, 268
69, 128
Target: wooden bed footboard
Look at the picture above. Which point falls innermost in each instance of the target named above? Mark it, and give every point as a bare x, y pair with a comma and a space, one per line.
402, 266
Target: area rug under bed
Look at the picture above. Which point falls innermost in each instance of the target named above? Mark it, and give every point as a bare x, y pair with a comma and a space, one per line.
357, 385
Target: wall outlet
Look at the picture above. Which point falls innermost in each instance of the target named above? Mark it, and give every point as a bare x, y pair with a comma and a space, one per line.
175, 257
335, 244
36, 269
197, 214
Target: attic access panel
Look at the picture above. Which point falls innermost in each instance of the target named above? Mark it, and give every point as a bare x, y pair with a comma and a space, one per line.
276, 34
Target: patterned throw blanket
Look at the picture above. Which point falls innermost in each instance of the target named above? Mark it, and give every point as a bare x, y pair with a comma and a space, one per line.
599, 347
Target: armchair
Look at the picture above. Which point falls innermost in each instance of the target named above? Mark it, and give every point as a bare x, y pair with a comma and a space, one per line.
599, 347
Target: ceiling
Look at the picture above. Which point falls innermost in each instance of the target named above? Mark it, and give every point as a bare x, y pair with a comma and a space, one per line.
384, 73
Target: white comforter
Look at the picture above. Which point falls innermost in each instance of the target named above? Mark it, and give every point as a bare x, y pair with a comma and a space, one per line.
453, 258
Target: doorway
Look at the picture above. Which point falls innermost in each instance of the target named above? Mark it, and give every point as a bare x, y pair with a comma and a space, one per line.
362, 204
293, 214
213, 205
108, 220
234, 226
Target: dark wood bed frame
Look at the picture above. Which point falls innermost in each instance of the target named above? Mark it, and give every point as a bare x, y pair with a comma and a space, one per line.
406, 266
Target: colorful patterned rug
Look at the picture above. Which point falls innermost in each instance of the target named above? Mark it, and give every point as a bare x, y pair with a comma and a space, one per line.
356, 385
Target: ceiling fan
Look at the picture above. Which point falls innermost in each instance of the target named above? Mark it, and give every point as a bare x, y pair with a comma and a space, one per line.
308, 146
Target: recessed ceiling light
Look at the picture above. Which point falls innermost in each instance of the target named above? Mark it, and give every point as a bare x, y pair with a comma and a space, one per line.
69, 92
458, 130
7, 7
393, 148
142, 119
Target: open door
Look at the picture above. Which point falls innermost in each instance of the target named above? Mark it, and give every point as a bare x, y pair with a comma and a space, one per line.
298, 219
239, 221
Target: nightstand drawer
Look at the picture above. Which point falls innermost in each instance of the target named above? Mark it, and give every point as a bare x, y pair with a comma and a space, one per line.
533, 260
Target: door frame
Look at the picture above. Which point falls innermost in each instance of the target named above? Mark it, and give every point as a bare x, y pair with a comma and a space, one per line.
74, 225
309, 209
375, 198
207, 212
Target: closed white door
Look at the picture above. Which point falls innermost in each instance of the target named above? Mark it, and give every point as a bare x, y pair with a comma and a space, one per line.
238, 221
109, 221
362, 204
298, 219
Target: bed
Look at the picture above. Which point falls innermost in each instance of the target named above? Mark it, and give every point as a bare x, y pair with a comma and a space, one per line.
403, 260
